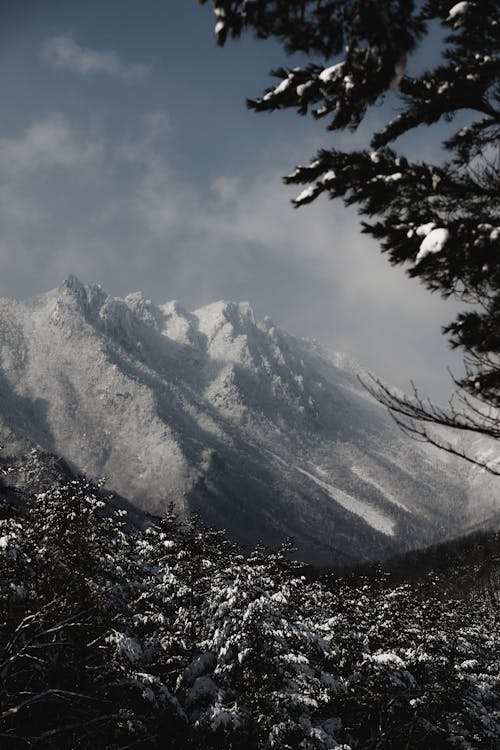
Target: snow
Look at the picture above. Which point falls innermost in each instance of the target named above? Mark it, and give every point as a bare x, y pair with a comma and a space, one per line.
328, 176
458, 9
177, 324
388, 658
368, 513
307, 193
210, 412
224, 717
469, 664
329, 74
126, 646
424, 229
302, 88
395, 177
363, 473
279, 89
436, 179
348, 83
399, 71
433, 242
285, 83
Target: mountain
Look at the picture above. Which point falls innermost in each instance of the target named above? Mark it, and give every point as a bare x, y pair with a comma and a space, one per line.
262, 433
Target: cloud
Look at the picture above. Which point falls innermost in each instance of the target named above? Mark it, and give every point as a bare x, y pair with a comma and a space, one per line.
144, 141
51, 142
163, 203
16, 209
63, 53
131, 218
226, 188
158, 200
341, 289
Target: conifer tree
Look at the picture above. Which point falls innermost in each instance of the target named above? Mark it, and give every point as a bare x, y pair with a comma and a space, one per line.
170, 637
440, 220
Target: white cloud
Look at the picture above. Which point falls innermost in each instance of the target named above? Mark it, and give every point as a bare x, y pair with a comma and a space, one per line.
63, 53
51, 142
163, 202
259, 212
146, 140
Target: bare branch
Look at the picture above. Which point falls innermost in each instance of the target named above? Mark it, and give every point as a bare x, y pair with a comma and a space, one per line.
413, 415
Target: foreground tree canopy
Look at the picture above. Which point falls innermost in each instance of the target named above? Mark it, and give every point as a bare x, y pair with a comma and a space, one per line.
440, 220
115, 637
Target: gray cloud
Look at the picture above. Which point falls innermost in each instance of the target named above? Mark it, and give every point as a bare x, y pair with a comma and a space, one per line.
354, 300
63, 53
51, 142
128, 219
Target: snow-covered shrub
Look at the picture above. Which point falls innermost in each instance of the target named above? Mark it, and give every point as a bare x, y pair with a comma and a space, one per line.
170, 637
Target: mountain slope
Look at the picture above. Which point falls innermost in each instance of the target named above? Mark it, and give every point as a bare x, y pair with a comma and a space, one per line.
262, 433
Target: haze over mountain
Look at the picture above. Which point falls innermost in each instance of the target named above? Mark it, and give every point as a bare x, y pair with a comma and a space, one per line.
262, 433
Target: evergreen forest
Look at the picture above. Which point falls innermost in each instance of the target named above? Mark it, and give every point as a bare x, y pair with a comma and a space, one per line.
168, 636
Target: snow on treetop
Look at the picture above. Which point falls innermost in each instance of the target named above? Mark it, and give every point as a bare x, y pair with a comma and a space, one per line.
328, 176
388, 658
424, 229
307, 193
282, 86
433, 242
328, 74
457, 10
303, 87
393, 177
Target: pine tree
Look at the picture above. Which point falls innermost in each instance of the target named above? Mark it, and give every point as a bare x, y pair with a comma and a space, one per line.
171, 637
63, 595
439, 220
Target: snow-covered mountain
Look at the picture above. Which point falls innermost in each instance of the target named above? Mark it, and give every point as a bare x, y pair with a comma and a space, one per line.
262, 433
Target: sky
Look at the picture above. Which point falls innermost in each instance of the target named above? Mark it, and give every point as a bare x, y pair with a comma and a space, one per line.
128, 158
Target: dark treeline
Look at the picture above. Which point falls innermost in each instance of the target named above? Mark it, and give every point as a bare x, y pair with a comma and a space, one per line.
462, 564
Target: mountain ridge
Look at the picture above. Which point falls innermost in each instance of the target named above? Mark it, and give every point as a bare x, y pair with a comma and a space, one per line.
223, 414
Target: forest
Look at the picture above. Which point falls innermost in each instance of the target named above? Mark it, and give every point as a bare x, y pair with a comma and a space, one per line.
116, 636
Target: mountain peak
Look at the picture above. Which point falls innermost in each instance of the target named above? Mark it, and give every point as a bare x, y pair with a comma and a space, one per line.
86, 298
73, 283
260, 432
238, 316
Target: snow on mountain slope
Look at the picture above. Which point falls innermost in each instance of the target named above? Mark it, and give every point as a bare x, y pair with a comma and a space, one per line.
262, 433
